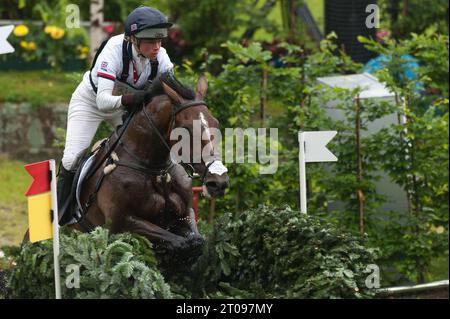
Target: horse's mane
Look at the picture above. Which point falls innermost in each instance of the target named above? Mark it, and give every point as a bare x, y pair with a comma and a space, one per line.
169, 79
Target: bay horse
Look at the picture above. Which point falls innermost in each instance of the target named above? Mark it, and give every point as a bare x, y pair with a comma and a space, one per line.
147, 193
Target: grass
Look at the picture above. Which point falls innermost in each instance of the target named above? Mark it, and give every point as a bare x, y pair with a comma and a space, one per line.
14, 181
38, 87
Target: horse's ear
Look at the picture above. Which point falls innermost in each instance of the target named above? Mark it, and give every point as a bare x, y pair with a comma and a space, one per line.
174, 96
202, 87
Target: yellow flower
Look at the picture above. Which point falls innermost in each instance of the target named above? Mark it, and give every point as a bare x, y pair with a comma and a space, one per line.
57, 33
21, 30
84, 51
32, 46
28, 46
49, 29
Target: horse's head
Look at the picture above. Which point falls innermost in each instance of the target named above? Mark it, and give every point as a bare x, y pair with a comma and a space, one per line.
194, 117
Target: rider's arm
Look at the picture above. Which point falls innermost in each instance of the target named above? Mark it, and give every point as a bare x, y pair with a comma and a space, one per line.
164, 61
105, 100
107, 68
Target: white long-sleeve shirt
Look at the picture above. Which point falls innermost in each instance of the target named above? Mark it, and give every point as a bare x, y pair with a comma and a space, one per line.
108, 67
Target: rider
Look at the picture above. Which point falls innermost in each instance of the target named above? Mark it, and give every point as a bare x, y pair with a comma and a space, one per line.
135, 58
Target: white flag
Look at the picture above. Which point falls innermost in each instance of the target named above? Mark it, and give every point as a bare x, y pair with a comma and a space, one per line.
5, 47
316, 146
313, 148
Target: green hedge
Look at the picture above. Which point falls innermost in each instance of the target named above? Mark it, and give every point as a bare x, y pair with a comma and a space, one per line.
281, 253
261, 253
111, 266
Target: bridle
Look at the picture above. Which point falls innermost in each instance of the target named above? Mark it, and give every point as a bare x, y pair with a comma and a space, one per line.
176, 109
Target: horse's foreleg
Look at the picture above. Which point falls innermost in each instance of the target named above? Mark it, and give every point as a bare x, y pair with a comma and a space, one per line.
151, 231
187, 226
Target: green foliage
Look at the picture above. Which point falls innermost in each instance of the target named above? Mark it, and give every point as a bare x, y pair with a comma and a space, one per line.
280, 253
194, 16
329, 60
265, 252
235, 97
420, 166
111, 266
415, 154
405, 17
418, 162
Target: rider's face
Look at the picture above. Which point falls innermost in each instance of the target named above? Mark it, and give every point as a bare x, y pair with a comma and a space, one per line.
150, 47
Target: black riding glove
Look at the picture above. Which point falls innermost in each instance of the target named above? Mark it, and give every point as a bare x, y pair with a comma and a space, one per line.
133, 101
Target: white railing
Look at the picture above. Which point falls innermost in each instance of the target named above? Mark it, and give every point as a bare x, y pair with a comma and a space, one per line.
416, 288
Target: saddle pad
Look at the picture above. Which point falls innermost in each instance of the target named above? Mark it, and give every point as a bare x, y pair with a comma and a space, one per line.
84, 170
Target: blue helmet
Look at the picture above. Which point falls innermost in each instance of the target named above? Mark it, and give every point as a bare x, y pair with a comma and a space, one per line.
147, 22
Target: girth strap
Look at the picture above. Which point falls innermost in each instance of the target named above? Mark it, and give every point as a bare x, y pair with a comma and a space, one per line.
146, 170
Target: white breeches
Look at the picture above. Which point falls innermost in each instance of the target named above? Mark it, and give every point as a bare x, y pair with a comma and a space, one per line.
83, 120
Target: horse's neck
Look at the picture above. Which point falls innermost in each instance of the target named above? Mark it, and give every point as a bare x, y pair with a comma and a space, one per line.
144, 142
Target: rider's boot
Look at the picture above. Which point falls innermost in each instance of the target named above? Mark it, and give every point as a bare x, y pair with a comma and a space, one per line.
65, 181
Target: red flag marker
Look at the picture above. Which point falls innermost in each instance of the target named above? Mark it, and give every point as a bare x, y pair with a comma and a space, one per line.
41, 178
42, 200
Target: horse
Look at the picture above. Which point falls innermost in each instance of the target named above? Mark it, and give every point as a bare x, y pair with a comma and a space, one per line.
139, 188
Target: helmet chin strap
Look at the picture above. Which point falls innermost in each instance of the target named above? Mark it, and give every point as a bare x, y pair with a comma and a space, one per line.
137, 45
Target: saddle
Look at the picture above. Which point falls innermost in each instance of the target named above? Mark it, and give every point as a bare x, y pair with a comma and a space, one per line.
76, 210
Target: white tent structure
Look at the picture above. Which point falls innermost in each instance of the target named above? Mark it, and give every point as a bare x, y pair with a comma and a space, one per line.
370, 88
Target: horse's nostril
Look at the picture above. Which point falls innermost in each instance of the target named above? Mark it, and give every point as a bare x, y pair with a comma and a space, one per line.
212, 185
217, 185
217, 188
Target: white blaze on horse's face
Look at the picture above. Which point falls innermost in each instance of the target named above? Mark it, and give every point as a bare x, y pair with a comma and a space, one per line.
206, 126
217, 166
208, 136
208, 148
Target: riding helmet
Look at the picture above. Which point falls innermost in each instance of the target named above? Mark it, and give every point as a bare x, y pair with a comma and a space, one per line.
147, 22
